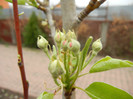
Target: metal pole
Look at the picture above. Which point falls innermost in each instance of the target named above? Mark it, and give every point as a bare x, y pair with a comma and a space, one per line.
19, 47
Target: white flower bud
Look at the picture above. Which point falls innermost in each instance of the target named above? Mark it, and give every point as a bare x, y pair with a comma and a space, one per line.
71, 35
64, 45
74, 46
42, 43
44, 23
97, 46
59, 36
56, 68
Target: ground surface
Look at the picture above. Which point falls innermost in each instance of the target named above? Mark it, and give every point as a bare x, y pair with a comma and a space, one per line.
8, 94
36, 67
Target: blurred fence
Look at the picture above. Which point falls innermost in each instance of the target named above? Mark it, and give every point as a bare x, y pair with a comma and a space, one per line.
98, 24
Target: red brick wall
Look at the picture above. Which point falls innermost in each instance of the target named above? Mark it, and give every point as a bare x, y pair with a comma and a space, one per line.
5, 33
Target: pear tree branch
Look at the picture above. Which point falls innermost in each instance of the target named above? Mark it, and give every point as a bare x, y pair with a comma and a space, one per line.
40, 3
93, 4
41, 6
45, 7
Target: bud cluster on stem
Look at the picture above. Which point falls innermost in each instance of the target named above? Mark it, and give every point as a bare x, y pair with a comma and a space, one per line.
67, 61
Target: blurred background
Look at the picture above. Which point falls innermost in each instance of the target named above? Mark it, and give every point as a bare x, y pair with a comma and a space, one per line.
112, 22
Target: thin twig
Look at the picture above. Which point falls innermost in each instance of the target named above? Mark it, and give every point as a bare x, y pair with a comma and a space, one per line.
42, 8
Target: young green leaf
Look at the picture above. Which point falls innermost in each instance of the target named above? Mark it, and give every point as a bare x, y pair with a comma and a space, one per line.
108, 63
85, 50
100, 90
46, 95
20, 2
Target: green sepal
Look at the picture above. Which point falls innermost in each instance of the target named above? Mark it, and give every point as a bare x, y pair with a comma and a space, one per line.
54, 54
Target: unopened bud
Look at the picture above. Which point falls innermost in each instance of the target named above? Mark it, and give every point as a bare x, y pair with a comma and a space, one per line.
42, 43
44, 23
64, 45
59, 36
56, 68
71, 35
97, 46
74, 46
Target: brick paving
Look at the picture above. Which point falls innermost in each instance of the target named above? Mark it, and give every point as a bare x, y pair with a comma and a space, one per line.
36, 67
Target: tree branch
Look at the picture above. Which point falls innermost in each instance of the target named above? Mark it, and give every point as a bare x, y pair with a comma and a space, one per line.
40, 3
42, 8
93, 4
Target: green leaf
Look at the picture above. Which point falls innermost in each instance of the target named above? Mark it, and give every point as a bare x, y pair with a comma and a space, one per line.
46, 95
85, 50
108, 63
100, 90
20, 2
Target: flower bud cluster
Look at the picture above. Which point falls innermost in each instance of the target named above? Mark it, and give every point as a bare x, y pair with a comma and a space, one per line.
68, 48
65, 42
70, 43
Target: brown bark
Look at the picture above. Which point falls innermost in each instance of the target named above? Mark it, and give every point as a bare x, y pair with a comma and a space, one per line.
93, 4
19, 47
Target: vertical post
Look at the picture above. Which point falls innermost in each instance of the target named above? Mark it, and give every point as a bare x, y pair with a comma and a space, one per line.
104, 31
19, 47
